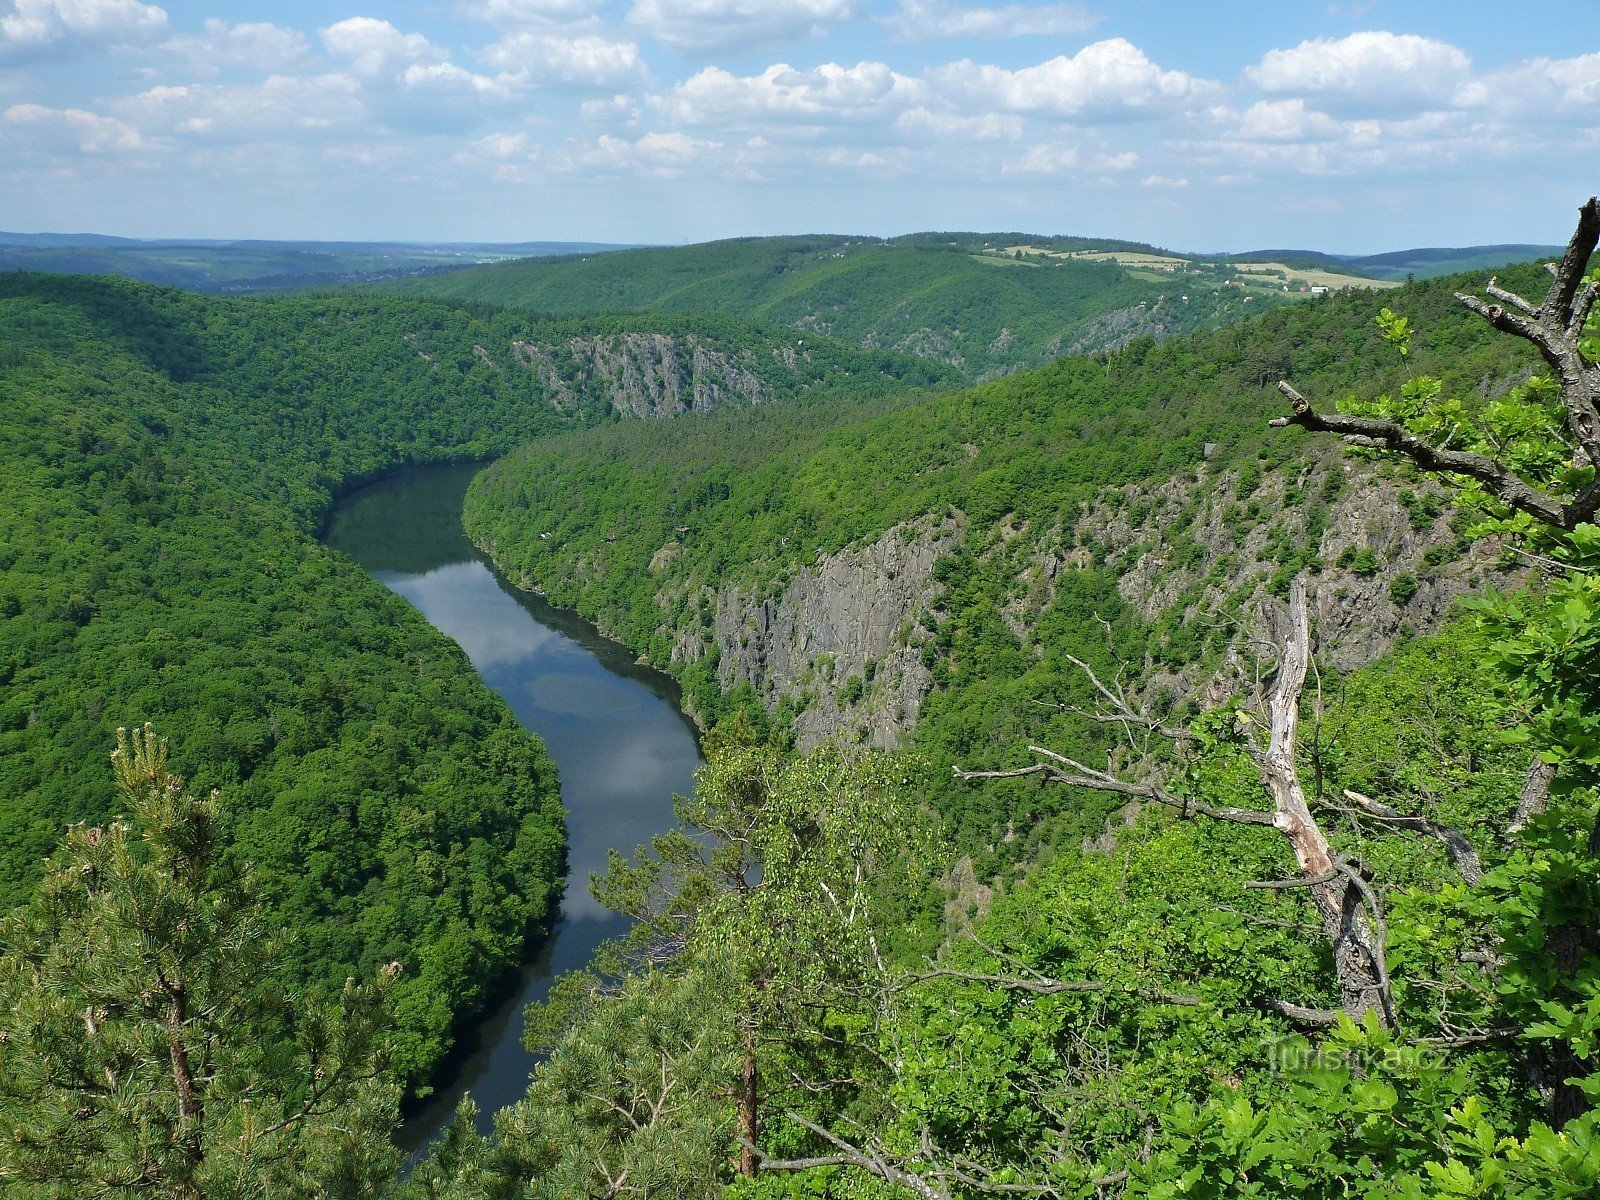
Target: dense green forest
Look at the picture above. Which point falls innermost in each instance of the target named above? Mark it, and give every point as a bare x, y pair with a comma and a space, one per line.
647, 527
1157, 897
939, 296
168, 459
1402, 1007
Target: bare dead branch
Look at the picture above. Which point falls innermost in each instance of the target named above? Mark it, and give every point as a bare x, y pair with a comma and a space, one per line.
1454, 841
1303, 1015
1041, 985
1535, 797
1308, 881
1379, 433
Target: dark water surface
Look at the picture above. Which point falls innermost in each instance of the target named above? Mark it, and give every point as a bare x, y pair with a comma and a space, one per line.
618, 738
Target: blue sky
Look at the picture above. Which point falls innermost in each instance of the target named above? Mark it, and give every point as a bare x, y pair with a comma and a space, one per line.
1353, 126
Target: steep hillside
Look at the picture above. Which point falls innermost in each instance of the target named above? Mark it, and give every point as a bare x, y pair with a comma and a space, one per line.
951, 298
167, 459
865, 574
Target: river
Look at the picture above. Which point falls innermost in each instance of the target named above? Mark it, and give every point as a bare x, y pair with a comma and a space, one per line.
618, 738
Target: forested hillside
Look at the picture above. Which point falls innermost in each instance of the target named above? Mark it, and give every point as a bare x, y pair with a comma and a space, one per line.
949, 298
168, 459
1290, 912
992, 529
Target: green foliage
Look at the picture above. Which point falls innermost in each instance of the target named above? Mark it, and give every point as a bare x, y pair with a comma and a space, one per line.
149, 1044
761, 493
762, 926
167, 460
938, 296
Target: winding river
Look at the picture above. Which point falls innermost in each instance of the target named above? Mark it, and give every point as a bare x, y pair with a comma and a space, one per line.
619, 740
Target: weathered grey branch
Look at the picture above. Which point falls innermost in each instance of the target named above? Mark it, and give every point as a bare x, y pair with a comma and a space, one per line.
1535, 797
1043, 985
1454, 841
1556, 329
1080, 775
1498, 480
1303, 1015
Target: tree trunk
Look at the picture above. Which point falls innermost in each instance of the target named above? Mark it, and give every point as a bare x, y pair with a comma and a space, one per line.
749, 1104
1357, 945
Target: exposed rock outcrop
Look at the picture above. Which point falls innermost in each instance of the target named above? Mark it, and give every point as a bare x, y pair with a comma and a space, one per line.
837, 641
643, 374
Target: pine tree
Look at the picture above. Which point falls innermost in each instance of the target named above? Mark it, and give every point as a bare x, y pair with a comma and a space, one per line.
146, 1046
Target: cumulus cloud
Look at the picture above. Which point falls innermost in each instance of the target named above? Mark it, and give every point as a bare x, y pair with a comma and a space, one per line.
72, 129
926, 123
928, 20
1543, 87
40, 29
542, 59
1366, 73
515, 13
1043, 158
254, 45
375, 47
278, 105
656, 155
1286, 121
736, 24
1107, 81
829, 94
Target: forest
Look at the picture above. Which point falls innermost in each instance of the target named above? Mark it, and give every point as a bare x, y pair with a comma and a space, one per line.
934, 295
169, 458
1175, 881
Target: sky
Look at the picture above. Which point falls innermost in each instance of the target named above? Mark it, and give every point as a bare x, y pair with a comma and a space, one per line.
1224, 125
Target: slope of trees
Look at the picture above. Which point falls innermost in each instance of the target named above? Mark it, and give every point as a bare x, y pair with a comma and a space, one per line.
933, 295
167, 460
643, 524
1167, 1011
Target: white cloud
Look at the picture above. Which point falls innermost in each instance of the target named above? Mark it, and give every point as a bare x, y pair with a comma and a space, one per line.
256, 45
1541, 87
518, 13
926, 123
927, 20
1122, 160
446, 80
280, 105
736, 24
829, 94
38, 29
656, 155
72, 129
541, 59
1286, 121
375, 47
1107, 81
1043, 158
501, 145
620, 107
1163, 181
1366, 73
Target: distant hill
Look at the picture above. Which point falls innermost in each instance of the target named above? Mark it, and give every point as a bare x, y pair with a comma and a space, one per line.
249, 265
986, 304
1429, 262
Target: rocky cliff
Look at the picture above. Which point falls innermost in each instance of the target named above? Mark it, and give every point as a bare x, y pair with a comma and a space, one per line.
836, 650
645, 374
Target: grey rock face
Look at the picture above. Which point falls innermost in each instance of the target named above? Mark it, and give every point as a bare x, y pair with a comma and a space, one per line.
644, 374
837, 639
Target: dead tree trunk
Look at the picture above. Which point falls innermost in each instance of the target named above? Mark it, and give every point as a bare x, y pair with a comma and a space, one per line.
1351, 915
